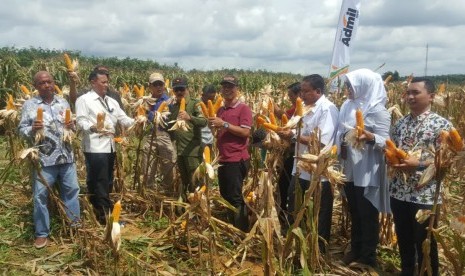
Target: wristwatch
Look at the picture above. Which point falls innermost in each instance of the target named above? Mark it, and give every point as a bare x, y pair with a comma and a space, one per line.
226, 125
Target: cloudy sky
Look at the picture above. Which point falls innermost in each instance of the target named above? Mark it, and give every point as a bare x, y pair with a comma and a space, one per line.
276, 35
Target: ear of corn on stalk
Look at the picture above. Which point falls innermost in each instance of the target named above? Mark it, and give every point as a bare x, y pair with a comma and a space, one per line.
456, 140
391, 156
218, 103
162, 107
67, 116
204, 109
100, 120
260, 120
40, 114
299, 108
284, 120
10, 105
68, 62
25, 90
206, 155
182, 105
210, 109
272, 118
359, 122
116, 211
271, 126
58, 90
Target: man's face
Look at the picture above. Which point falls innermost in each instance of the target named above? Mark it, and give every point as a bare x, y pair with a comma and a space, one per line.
157, 88
208, 96
418, 98
292, 97
309, 94
45, 84
100, 84
180, 92
229, 91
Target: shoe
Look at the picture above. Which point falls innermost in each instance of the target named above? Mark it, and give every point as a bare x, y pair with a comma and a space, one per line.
40, 242
349, 257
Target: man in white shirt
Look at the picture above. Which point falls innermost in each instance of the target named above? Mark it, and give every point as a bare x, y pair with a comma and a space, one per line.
98, 144
323, 116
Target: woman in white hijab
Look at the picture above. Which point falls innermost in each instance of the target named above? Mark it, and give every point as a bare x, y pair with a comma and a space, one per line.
363, 161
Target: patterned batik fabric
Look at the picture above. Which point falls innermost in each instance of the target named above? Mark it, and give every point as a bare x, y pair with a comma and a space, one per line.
412, 134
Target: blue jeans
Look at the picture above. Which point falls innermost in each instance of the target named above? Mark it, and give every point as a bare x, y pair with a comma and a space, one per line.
69, 192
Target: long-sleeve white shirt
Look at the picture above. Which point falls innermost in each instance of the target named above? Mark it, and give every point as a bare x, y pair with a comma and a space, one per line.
324, 116
87, 108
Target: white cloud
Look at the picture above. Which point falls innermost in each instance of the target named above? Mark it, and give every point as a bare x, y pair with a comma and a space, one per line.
287, 36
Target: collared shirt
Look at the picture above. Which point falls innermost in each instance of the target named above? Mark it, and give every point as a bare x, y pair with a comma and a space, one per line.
52, 150
87, 108
324, 116
233, 148
422, 133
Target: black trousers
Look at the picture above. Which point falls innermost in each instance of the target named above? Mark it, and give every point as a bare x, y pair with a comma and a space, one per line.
99, 167
410, 236
364, 236
231, 176
284, 182
326, 208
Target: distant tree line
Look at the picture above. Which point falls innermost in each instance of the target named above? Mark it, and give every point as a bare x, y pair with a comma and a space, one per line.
454, 79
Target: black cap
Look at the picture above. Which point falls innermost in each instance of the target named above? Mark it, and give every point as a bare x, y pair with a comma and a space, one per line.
179, 82
229, 79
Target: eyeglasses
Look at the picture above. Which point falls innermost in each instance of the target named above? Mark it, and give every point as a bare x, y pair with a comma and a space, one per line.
179, 89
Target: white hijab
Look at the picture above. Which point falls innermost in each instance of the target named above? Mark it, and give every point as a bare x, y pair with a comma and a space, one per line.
369, 95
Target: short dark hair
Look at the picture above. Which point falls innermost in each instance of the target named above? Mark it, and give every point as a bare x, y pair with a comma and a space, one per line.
93, 75
316, 81
209, 89
294, 88
429, 85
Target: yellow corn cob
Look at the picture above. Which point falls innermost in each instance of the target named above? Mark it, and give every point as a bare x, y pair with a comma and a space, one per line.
203, 188
68, 62
140, 110
456, 139
359, 122
204, 109
260, 120
67, 116
272, 127
270, 106
142, 91
211, 109
284, 119
272, 118
40, 114
137, 91
401, 154
391, 156
206, 155
25, 90
250, 198
390, 144
162, 107
58, 90
100, 120
183, 225
387, 80
167, 83
442, 88
125, 88
10, 105
118, 139
116, 211
218, 103
334, 150
182, 105
299, 108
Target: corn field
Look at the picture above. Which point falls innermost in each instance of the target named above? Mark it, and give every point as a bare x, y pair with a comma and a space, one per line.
167, 236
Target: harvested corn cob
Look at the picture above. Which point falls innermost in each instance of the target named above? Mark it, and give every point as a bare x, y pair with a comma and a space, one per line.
284, 120
359, 122
204, 109
67, 116
210, 109
40, 114
68, 62
299, 108
456, 140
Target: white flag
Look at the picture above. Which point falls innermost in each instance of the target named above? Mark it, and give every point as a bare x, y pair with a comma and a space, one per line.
345, 34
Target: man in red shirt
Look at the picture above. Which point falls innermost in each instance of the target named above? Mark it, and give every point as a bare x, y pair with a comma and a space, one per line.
234, 121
